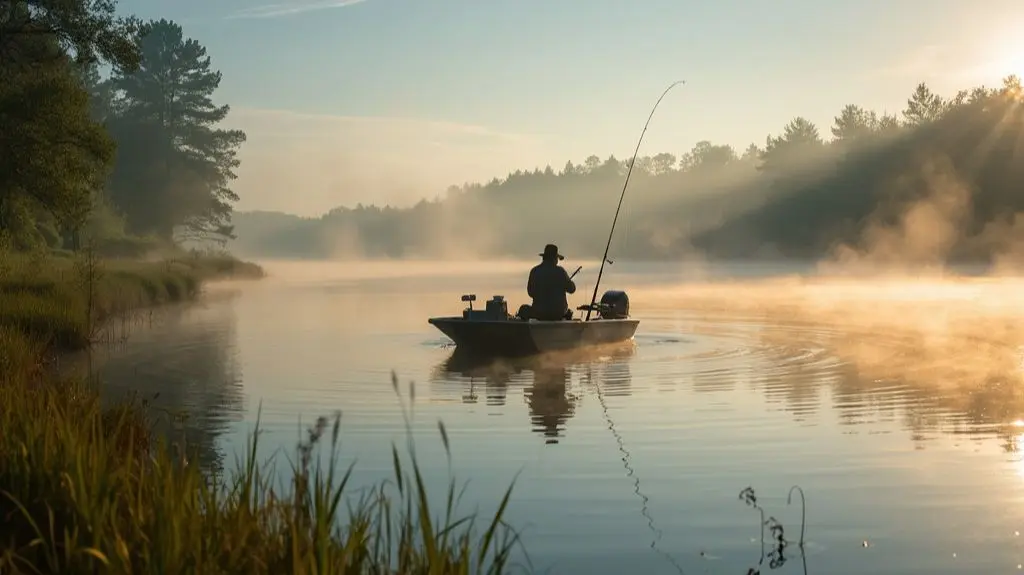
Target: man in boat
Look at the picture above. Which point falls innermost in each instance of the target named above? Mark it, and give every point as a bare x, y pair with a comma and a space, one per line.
548, 285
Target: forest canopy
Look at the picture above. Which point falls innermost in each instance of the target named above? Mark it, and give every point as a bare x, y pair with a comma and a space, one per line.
112, 134
945, 165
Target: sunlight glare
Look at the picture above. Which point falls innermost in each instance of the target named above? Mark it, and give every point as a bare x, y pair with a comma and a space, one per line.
1018, 463
1008, 56
1015, 65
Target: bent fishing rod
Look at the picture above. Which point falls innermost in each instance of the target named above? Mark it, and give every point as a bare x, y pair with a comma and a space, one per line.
629, 171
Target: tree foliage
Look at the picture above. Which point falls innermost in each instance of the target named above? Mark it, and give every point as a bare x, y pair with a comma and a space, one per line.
798, 195
139, 151
56, 157
176, 165
946, 181
89, 31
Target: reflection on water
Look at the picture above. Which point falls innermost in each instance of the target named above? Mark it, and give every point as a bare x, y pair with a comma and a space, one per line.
547, 386
186, 368
897, 408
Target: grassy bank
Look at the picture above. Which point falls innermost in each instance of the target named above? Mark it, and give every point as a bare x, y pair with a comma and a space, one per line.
88, 489
84, 491
59, 302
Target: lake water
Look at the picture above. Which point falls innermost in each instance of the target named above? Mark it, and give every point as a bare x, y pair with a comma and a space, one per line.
895, 405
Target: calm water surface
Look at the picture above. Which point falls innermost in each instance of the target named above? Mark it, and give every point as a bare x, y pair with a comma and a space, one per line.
895, 406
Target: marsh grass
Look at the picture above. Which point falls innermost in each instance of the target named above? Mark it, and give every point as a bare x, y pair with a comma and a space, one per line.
91, 489
20, 356
61, 302
86, 490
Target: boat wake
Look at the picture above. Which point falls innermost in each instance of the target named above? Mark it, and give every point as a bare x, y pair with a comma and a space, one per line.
660, 339
438, 343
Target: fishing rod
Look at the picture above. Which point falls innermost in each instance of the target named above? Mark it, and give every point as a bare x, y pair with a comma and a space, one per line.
575, 272
622, 196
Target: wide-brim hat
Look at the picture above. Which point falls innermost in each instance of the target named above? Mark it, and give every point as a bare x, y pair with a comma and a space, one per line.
551, 251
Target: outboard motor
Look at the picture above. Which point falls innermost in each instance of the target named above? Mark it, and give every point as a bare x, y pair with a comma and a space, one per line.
614, 305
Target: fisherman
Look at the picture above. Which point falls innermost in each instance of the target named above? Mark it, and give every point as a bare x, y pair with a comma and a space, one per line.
548, 285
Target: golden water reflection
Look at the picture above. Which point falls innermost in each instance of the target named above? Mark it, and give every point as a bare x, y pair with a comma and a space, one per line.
722, 389
932, 367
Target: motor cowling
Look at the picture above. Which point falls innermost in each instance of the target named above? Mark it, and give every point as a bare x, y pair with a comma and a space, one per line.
614, 305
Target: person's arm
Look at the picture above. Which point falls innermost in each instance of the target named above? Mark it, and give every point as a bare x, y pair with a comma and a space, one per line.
570, 286
531, 283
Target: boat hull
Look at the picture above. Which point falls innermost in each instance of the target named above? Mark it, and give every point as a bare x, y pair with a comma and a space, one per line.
530, 337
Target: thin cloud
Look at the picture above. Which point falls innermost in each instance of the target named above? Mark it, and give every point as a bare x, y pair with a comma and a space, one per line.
309, 124
929, 62
925, 61
309, 163
290, 8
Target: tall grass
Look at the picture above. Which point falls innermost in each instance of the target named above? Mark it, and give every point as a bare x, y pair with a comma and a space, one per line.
89, 489
83, 490
61, 302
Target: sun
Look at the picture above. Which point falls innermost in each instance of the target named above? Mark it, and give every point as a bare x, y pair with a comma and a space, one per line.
1013, 56
1015, 61
1004, 56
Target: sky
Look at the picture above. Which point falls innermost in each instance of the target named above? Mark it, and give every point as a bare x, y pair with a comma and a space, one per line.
391, 101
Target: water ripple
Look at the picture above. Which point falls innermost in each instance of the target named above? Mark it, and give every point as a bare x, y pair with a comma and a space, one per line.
903, 435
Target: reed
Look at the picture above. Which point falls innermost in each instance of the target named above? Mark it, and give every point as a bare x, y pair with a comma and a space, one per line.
91, 489
87, 490
61, 302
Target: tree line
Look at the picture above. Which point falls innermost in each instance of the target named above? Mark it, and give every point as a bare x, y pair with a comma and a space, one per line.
799, 194
109, 131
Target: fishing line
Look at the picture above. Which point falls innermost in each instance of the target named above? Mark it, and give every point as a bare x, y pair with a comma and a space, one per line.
622, 196
631, 473
626, 456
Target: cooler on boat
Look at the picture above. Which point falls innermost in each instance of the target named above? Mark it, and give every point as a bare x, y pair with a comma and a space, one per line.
496, 309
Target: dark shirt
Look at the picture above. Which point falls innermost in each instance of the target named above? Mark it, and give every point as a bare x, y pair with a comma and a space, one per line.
548, 284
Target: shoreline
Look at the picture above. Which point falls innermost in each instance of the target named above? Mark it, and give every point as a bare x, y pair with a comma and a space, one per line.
135, 500
51, 306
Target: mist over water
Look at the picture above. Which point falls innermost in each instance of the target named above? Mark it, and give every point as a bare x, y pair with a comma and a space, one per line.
831, 305
894, 402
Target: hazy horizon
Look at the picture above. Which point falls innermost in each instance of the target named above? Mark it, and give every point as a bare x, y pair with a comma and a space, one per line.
388, 102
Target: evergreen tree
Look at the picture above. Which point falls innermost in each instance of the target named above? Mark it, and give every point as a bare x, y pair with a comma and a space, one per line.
176, 166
